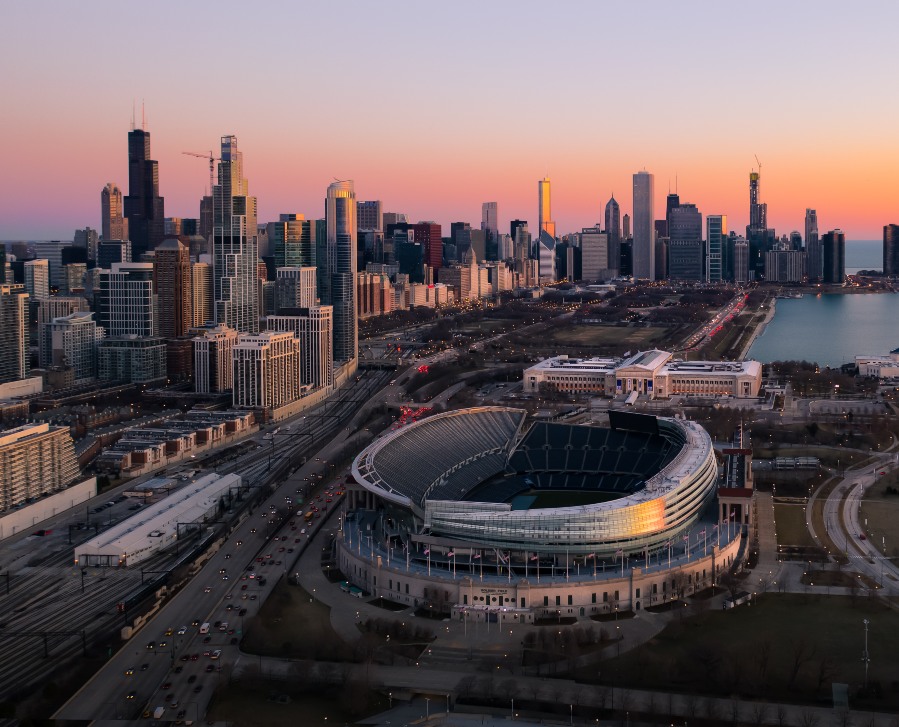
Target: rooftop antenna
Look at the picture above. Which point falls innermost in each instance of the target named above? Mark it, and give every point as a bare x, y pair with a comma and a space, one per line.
143, 116
133, 113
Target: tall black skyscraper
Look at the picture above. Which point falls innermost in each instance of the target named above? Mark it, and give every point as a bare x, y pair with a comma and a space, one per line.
891, 249
833, 246
144, 207
671, 201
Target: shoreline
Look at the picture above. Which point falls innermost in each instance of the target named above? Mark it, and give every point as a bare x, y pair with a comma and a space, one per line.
759, 329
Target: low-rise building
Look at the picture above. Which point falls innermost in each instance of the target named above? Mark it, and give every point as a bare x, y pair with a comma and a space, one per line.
649, 373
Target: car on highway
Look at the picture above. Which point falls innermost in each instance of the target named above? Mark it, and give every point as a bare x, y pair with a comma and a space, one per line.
181, 714
185, 657
182, 631
208, 589
215, 654
169, 631
239, 543
192, 678
151, 645
861, 536
242, 612
178, 669
166, 686
210, 667
129, 672
163, 644
194, 657
130, 695
144, 667
207, 639
198, 688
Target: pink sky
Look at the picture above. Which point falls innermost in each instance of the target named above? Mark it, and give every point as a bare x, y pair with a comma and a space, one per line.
436, 109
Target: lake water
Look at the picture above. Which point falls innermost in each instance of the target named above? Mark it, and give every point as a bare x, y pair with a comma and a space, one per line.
863, 255
830, 329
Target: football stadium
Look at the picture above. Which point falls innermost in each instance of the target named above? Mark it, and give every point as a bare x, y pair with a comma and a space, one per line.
480, 514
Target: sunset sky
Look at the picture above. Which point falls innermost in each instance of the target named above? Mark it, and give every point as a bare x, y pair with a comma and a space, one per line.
435, 108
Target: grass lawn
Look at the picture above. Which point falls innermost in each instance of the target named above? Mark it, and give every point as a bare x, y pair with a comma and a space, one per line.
249, 707
790, 525
594, 335
881, 511
752, 650
288, 625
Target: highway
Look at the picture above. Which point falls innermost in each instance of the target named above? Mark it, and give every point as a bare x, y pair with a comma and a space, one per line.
50, 610
172, 674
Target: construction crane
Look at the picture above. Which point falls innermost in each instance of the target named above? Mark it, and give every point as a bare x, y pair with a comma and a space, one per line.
759, 163
212, 160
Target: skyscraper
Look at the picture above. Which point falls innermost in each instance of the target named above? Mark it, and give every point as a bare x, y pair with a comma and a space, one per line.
214, 359
757, 229
14, 339
201, 293
127, 303
266, 369
716, 235
369, 215
544, 208
113, 226
429, 235
671, 201
74, 340
546, 255
88, 239
340, 218
685, 248
644, 244
626, 227
295, 288
490, 227
144, 208
234, 247
813, 257
891, 250
173, 284
312, 328
292, 239
833, 246
613, 230
37, 278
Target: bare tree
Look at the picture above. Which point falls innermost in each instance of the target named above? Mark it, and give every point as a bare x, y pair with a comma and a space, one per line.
711, 709
808, 718
759, 714
781, 715
762, 658
802, 652
827, 668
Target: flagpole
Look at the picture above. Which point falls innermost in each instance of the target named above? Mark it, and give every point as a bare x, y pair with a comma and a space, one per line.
429, 561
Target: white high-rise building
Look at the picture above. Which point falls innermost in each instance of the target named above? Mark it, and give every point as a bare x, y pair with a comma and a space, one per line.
214, 359
37, 278
312, 328
644, 227
266, 370
295, 287
340, 218
48, 310
234, 244
74, 340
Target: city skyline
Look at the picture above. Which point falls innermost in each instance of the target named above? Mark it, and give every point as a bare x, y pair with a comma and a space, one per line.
833, 156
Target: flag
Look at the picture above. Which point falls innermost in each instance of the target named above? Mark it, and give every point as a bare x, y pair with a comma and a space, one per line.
427, 551
535, 557
686, 538
477, 556
619, 552
701, 532
592, 555
715, 527
451, 554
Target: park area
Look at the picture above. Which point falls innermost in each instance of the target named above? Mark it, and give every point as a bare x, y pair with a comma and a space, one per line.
782, 647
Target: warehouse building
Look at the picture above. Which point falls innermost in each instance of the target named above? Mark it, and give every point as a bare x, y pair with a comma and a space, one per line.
158, 526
